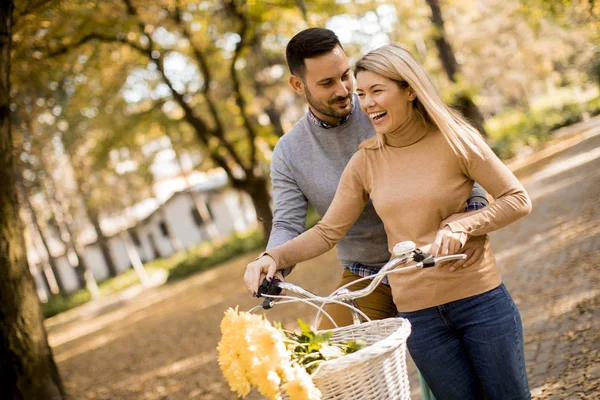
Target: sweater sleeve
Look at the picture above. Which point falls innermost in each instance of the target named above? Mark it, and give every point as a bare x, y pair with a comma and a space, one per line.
290, 204
511, 200
348, 203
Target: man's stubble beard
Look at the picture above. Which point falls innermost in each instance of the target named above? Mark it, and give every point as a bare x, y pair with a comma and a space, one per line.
326, 108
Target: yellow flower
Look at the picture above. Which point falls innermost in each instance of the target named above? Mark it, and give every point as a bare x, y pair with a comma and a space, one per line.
266, 379
233, 359
299, 386
252, 352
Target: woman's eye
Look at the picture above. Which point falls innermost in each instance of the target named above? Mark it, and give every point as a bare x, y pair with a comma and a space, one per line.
361, 94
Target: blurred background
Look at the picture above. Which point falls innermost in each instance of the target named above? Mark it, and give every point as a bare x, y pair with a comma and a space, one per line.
143, 130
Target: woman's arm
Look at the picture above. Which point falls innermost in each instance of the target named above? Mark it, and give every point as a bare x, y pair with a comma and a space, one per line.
511, 199
348, 203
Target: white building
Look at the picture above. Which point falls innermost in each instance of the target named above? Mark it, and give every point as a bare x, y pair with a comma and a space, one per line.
173, 226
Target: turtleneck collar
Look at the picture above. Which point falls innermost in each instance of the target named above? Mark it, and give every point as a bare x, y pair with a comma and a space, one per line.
410, 132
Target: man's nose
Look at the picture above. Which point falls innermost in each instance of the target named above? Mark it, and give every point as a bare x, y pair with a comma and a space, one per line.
341, 90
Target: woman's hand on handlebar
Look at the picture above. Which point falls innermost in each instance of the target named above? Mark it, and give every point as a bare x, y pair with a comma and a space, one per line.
447, 242
474, 249
256, 270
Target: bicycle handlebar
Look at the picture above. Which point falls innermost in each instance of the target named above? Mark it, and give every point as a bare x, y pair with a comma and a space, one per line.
404, 252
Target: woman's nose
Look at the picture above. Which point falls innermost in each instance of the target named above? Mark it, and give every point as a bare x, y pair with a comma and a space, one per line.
367, 101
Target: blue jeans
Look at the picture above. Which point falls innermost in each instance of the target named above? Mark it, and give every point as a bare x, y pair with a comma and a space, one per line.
471, 346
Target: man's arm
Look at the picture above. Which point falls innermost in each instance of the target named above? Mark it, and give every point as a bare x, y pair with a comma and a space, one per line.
478, 198
289, 203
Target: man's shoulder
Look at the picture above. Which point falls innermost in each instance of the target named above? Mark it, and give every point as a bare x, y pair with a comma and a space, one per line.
292, 140
300, 129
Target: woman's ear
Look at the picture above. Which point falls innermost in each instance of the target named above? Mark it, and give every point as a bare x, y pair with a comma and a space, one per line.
411, 94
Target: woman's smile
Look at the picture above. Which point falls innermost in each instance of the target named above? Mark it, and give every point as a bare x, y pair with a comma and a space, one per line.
386, 103
377, 117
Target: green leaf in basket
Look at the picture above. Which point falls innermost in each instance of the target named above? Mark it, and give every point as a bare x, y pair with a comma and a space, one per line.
352, 346
321, 337
313, 339
304, 326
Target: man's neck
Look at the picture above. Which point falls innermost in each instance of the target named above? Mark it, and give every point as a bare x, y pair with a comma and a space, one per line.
325, 118
329, 122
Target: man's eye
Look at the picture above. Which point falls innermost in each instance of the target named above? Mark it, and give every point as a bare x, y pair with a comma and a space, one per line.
360, 94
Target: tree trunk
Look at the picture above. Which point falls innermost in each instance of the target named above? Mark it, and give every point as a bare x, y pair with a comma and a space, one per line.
467, 107
258, 190
275, 117
84, 275
102, 243
92, 216
39, 270
36, 225
28, 369
134, 259
463, 102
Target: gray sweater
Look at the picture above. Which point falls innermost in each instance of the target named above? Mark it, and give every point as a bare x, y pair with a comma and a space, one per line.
307, 164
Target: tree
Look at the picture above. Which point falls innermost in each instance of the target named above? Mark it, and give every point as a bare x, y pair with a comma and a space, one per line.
218, 111
40, 233
581, 16
27, 369
463, 101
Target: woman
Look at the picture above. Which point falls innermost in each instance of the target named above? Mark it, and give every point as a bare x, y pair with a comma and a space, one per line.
467, 331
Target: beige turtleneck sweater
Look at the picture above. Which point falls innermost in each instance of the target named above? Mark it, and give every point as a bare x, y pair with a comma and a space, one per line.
415, 182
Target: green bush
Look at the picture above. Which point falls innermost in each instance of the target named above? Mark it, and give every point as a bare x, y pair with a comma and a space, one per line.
511, 132
58, 304
204, 257
178, 266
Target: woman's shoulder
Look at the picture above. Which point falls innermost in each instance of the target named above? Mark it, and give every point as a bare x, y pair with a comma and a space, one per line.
371, 143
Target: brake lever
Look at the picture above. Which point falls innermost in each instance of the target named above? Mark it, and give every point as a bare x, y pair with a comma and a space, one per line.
427, 259
269, 288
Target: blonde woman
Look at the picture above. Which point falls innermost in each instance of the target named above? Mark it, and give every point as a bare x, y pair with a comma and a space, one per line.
467, 331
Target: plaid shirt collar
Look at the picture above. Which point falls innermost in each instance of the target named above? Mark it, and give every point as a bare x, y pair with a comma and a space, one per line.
326, 125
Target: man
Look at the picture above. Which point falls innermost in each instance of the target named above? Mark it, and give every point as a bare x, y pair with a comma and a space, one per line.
308, 162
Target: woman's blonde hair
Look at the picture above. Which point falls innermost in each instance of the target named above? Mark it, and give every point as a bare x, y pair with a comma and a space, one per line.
396, 63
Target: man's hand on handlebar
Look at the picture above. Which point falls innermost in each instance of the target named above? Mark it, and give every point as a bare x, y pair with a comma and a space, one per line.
257, 270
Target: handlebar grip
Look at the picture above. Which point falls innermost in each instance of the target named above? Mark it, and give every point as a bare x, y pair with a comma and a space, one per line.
269, 288
427, 259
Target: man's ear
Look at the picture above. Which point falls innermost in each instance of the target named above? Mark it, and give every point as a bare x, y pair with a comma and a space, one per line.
297, 84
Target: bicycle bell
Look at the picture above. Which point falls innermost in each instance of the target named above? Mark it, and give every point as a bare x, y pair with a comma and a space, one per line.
403, 248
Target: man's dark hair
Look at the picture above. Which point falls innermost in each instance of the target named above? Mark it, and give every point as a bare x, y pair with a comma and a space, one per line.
309, 43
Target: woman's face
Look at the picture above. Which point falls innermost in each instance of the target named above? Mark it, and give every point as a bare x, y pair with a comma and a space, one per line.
387, 104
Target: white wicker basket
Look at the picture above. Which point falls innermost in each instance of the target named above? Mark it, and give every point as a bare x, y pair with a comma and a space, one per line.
376, 372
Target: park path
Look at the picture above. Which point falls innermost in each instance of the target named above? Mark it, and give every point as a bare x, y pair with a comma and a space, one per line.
160, 343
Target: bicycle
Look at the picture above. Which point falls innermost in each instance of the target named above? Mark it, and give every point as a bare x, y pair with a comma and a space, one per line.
377, 371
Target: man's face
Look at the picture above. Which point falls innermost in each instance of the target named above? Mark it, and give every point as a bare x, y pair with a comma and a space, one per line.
327, 85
